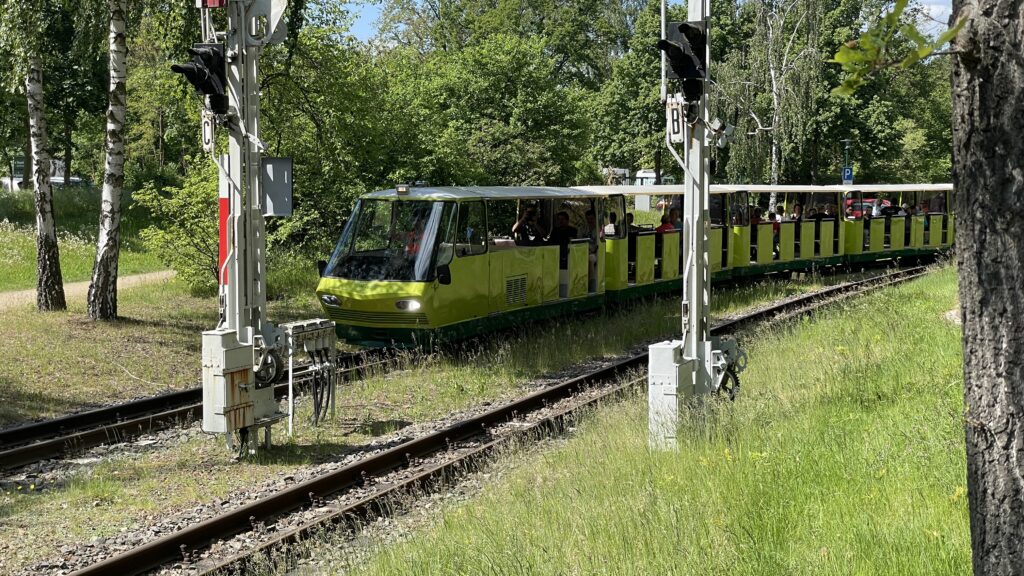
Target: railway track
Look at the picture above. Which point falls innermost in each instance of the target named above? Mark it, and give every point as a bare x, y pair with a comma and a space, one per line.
59, 437
422, 461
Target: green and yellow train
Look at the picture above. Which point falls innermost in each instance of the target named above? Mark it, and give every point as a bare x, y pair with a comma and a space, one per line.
419, 264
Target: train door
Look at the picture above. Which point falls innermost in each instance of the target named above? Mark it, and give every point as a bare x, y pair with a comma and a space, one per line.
463, 278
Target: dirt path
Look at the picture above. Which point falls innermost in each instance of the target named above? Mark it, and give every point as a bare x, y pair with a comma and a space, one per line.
78, 290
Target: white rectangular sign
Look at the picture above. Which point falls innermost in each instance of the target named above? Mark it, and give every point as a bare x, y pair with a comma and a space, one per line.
208, 132
675, 117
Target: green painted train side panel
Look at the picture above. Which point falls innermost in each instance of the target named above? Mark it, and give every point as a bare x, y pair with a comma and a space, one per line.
371, 335
670, 255
839, 247
537, 264
740, 247
806, 240
601, 257
468, 296
876, 238
645, 259
549, 266
715, 250
578, 270
935, 231
828, 228
765, 232
917, 232
854, 236
787, 241
897, 231
496, 294
617, 271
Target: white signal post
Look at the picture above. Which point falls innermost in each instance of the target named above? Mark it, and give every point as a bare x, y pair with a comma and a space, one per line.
680, 370
242, 355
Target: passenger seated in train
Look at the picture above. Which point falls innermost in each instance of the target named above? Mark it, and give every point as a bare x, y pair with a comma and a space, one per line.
755, 216
830, 211
673, 216
666, 225
612, 227
561, 235
633, 229
528, 231
780, 213
798, 212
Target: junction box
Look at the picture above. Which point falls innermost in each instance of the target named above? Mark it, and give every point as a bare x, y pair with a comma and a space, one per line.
231, 399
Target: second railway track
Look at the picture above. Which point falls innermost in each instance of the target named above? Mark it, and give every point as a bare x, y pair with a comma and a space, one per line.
421, 460
56, 438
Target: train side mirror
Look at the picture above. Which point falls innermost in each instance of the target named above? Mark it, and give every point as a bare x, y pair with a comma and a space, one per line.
321, 265
444, 274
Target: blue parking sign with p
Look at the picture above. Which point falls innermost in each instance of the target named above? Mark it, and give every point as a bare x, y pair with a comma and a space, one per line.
847, 175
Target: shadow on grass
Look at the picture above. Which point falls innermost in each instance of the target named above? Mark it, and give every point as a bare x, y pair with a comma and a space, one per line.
18, 405
318, 452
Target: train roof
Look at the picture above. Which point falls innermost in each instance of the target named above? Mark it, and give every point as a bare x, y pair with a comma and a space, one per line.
482, 192
516, 192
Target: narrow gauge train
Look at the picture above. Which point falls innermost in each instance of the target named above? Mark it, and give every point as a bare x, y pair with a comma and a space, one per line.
421, 264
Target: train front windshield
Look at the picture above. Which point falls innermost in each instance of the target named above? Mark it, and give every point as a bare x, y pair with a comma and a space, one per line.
390, 240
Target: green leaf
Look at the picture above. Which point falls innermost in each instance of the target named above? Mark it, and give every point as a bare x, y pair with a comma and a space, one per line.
910, 31
950, 34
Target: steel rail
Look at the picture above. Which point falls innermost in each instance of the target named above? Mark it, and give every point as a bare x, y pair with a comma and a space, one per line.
66, 435
59, 437
173, 546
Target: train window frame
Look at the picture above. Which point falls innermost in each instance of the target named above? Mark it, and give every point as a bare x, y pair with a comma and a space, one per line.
447, 236
498, 212
740, 217
464, 208
619, 229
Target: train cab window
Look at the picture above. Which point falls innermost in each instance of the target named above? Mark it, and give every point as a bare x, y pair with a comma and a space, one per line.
471, 234
389, 240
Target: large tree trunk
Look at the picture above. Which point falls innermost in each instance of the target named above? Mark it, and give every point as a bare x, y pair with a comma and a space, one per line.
988, 162
102, 299
49, 283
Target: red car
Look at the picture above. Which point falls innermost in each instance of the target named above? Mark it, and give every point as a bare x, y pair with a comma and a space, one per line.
857, 208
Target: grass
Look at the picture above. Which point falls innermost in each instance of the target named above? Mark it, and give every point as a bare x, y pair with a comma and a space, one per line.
159, 344
76, 211
844, 455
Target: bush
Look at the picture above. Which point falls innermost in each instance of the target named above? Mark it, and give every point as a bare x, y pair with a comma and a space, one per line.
185, 236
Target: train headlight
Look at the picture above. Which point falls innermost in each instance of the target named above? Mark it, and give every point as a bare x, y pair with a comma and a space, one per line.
407, 305
330, 300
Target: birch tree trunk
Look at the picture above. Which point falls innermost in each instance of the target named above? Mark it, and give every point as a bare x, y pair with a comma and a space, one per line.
49, 283
988, 163
102, 297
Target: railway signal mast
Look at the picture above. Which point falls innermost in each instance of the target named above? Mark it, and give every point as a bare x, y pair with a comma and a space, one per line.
242, 356
681, 370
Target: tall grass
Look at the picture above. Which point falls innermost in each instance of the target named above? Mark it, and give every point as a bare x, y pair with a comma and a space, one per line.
155, 346
76, 213
842, 456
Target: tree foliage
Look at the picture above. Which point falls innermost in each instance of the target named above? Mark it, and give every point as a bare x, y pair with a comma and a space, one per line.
499, 92
186, 237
